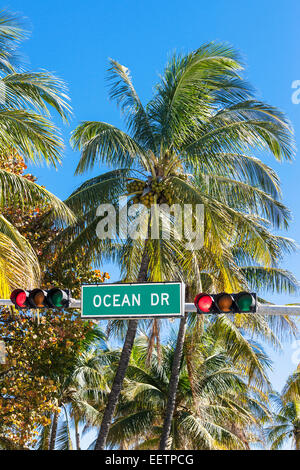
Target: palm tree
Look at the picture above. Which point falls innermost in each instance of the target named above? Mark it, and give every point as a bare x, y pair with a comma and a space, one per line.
79, 388
25, 129
286, 423
220, 413
286, 420
203, 120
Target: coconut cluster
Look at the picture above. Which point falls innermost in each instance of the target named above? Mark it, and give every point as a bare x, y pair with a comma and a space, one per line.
146, 193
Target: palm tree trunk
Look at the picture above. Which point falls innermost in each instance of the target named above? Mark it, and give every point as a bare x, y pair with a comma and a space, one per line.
154, 337
45, 445
77, 436
297, 438
70, 444
122, 367
239, 432
173, 385
190, 351
190, 370
53, 431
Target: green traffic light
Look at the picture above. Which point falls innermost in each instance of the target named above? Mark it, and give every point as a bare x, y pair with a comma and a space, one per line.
244, 302
56, 298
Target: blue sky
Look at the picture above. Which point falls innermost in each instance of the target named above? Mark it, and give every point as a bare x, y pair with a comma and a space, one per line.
74, 39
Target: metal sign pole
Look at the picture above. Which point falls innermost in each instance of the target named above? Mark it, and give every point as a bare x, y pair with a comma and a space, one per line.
262, 309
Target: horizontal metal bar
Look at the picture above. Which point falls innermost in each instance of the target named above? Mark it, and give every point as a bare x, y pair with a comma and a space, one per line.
74, 303
5, 302
262, 309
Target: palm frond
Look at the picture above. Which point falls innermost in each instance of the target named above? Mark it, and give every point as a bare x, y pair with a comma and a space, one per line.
102, 142
32, 135
123, 91
270, 279
36, 90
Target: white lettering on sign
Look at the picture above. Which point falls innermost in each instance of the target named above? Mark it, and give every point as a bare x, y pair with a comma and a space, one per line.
136, 299
105, 302
97, 300
116, 298
116, 301
163, 299
125, 300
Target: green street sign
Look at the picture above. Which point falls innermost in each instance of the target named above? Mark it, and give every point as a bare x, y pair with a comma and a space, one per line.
134, 300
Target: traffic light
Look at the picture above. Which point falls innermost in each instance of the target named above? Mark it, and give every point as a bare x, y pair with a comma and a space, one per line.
242, 302
39, 298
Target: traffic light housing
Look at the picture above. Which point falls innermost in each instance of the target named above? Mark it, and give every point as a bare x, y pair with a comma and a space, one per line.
242, 302
39, 298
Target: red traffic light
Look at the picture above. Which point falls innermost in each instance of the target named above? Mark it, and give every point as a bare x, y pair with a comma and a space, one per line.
203, 302
19, 298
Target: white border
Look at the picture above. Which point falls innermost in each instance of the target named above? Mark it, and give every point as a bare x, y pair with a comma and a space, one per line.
128, 317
